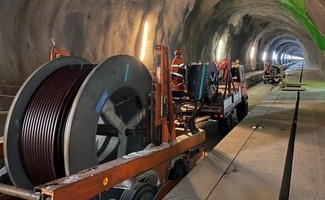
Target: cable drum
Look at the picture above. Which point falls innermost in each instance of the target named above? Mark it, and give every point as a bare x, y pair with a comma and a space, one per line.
53, 120
43, 124
203, 82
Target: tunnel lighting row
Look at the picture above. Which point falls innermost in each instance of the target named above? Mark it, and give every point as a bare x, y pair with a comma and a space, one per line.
294, 57
283, 56
283, 49
219, 49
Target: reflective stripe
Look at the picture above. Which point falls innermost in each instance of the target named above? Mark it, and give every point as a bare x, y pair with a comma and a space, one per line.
177, 74
180, 65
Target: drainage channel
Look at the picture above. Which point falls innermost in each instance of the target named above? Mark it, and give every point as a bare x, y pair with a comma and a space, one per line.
286, 178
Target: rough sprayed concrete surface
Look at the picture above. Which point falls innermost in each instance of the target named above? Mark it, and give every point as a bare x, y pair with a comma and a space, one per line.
93, 30
96, 30
316, 12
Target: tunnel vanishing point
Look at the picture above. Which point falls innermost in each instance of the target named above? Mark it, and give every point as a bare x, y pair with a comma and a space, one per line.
202, 29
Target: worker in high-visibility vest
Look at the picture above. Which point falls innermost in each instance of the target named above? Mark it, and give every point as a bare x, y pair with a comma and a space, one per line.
178, 72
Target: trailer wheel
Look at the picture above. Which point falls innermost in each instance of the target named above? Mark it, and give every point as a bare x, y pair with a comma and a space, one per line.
141, 191
276, 80
242, 110
225, 125
179, 171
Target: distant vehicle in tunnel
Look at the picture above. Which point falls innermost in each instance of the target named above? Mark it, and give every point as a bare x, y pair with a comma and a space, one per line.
217, 90
273, 74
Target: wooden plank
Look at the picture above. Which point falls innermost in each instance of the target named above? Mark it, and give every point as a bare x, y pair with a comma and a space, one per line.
294, 89
295, 84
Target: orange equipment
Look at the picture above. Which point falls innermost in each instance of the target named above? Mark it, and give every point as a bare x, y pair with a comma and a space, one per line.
223, 65
267, 67
174, 151
56, 53
178, 72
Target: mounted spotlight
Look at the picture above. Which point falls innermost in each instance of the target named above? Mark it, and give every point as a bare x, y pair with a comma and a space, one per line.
144, 40
274, 55
219, 49
252, 52
264, 56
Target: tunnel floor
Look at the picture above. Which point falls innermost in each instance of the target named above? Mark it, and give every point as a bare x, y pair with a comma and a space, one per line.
249, 162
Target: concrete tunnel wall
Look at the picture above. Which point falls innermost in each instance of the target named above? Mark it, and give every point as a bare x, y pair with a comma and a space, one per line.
96, 30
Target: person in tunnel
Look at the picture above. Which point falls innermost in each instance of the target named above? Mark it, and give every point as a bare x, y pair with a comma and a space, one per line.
267, 64
234, 68
178, 72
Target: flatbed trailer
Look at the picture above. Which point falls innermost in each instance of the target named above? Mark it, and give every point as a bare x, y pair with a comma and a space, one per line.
217, 97
151, 172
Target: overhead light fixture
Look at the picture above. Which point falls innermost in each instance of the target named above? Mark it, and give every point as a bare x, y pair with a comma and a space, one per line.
264, 56
274, 55
219, 49
144, 40
252, 53
282, 56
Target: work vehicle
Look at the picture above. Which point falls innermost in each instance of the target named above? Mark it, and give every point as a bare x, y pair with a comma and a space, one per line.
273, 74
216, 90
78, 130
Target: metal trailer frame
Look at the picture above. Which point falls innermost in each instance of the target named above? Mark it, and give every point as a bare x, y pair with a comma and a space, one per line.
90, 182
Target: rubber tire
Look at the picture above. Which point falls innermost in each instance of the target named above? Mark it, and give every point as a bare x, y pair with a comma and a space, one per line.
276, 80
178, 171
141, 191
242, 110
225, 125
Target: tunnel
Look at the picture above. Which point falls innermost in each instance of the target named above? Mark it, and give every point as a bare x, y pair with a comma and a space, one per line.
203, 30
104, 38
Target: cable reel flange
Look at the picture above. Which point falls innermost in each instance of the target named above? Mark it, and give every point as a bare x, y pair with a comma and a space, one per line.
107, 83
106, 79
16, 113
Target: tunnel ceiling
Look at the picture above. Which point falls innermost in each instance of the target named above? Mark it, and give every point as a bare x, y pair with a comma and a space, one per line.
203, 29
240, 25
310, 13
